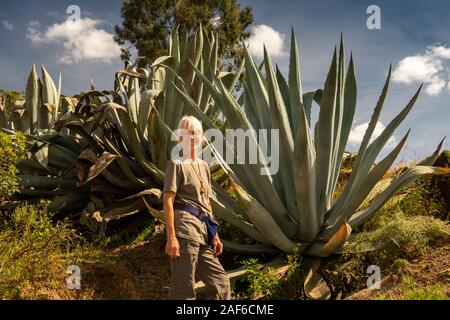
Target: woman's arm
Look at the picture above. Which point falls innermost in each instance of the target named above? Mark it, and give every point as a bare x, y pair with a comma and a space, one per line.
172, 245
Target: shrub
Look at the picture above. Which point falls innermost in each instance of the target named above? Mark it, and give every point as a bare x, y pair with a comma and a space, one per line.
256, 283
32, 252
12, 149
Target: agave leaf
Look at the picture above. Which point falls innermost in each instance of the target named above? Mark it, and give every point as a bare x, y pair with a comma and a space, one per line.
119, 210
227, 215
153, 195
315, 286
365, 187
372, 178
284, 90
60, 203
144, 110
404, 180
122, 163
131, 73
295, 86
169, 95
128, 133
158, 140
305, 181
324, 247
375, 147
134, 97
41, 156
337, 127
33, 98
324, 142
100, 164
263, 220
162, 60
58, 94
237, 75
33, 181
155, 213
254, 249
49, 92
158, 79
259, 90
280, 122
215, 93
350, 95
49, 99
351, 184
249, 107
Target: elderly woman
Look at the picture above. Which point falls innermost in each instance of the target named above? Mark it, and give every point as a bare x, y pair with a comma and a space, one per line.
193, 244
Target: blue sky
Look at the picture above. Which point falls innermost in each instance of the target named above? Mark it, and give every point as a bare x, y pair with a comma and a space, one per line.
414, 37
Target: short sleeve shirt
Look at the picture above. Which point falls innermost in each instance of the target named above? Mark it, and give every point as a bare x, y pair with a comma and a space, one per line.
183, 177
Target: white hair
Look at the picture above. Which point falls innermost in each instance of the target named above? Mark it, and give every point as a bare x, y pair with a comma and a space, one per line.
190, 122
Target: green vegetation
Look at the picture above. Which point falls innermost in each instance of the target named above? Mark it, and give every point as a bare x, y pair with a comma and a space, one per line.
410, 290
35, 253
12, 149
256, 283
147, 25
403, 238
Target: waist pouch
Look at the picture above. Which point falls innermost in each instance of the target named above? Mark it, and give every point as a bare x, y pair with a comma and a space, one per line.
211, 225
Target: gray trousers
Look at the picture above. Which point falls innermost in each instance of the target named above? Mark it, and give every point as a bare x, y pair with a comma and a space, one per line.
197, 260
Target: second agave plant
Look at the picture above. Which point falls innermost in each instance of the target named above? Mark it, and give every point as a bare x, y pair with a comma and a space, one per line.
293, 210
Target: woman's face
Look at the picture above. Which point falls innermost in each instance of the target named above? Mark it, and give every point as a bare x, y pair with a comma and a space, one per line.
191, 138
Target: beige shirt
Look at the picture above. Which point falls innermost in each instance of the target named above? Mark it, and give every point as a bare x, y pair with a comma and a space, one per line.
183, 178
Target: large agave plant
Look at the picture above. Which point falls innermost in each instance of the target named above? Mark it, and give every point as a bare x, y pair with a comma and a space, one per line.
39, 109
293, 210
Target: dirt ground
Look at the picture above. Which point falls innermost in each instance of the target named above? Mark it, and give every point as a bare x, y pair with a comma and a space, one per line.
141, 271
137, 271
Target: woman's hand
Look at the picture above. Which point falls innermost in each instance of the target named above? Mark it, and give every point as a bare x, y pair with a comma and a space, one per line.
173, 247
217, 246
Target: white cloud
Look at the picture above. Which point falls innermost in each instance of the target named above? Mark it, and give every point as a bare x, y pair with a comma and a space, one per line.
428, 67
357, 134
82, 40
7, 25
265, 35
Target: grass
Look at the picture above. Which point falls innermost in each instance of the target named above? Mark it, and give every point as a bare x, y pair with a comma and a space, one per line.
35, 253
256, 283
405, 237
409, 289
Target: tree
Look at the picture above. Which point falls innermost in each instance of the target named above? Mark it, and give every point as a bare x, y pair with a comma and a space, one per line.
147, 24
